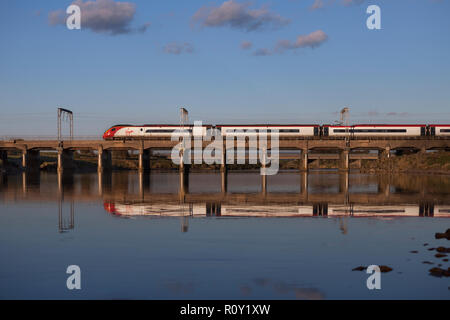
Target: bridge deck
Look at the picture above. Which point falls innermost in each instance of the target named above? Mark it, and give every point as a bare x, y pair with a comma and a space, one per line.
420, 143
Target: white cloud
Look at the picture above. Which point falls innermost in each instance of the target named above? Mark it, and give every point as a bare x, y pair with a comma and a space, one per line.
312, 40
239, 16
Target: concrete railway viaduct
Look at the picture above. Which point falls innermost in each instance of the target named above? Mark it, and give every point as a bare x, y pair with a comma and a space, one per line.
344, 150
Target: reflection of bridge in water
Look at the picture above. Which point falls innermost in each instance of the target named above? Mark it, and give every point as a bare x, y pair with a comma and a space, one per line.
176, 194
337, 188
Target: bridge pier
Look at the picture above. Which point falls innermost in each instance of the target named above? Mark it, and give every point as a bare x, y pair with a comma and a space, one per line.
264, 176
385, 154
65, 160
224, 171
344, 159
104, 159
31, 160
4, 157
144, 160
304, 160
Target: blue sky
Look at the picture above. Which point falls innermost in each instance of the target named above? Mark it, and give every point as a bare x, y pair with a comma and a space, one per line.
398, 74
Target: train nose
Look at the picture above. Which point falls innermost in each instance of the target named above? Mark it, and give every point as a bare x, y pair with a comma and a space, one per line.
108, 134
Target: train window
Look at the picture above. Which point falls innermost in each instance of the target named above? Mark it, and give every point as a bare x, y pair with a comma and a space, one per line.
369, 130
390, 130
158, 131
244, 131
113, 129
262, 130
445, 130
163, 130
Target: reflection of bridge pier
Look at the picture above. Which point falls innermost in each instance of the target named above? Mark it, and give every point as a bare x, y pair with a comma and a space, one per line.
264, 184
304, 185
104, 181
184, 181
224, 180
144, 183
344, 182
65, 182
3, 180
384, 185
186, 213
30, 179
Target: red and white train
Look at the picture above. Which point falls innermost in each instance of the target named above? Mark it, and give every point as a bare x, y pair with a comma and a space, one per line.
121, 132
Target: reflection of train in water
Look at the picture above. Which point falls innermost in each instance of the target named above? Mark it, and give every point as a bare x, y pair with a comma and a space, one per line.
126, 131
232, 210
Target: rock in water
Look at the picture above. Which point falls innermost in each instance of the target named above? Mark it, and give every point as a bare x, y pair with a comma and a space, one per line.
445, 235
438, 272
360, 268
385, 269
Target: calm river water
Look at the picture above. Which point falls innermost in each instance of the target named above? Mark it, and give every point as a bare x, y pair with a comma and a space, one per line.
153, 236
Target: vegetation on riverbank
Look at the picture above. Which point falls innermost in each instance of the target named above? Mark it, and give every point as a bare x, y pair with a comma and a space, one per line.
430, 162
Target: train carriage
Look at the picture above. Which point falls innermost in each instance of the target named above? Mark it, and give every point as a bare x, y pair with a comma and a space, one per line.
285, 130
439, 130
375, 130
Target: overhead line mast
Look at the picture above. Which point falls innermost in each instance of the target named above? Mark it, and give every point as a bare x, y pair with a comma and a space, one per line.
65, 114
